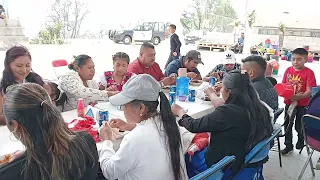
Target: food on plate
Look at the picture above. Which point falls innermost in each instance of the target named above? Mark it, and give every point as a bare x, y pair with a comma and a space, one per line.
5, 159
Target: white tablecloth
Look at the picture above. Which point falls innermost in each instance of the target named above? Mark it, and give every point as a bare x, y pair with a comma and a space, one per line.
195, 109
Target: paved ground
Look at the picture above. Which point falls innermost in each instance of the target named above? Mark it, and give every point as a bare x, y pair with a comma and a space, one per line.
101, 53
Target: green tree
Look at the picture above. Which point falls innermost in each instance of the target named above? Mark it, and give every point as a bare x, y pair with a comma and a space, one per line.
209, 15
50, 35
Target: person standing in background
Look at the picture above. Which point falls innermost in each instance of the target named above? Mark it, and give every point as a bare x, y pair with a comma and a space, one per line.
175, 45
3, 15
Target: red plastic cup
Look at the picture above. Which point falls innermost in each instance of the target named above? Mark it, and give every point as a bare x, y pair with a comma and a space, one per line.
284, 90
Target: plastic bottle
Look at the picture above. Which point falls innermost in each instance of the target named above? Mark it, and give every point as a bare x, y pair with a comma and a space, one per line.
198, 145
81, 108
182, 84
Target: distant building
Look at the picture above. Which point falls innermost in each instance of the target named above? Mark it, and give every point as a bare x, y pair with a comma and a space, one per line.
299, 31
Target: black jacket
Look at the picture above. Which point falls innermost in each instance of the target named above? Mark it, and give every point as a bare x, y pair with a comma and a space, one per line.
13, 170
229, 127
175, 43
266, 91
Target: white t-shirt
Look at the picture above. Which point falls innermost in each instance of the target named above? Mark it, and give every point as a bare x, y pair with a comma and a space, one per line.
143, 155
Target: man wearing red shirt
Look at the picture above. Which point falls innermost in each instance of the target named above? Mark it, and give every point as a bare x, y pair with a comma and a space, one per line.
303, 79
145, 64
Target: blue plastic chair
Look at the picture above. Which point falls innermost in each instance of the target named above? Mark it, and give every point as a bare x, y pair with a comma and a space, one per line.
257, 154
276, 146
311, 133
215, 172
315, 90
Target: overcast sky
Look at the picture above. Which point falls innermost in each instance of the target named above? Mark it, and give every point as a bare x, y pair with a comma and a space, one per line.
32, 13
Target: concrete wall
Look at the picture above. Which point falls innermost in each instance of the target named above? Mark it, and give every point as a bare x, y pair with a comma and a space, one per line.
290, 42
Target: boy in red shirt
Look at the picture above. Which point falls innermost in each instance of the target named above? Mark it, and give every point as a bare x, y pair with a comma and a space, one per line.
303, 79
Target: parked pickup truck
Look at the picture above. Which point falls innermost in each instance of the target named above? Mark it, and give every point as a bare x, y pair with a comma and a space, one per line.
154, 32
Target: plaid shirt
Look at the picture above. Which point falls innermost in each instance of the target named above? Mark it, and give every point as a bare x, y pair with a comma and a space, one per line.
222, 71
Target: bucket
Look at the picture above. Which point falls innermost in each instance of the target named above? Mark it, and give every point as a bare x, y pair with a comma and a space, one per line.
275, 47
268, 70
284, 90
267, 45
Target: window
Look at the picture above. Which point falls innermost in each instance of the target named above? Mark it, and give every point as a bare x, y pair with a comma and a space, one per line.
138, 28
296, 33
306, 34
162, 27
147, 28
156, 27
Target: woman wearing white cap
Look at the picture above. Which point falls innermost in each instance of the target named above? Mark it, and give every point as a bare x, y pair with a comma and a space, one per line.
228, 64
153, 149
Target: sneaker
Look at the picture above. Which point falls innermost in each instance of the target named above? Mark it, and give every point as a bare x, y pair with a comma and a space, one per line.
318, 165
286, 151
299, 145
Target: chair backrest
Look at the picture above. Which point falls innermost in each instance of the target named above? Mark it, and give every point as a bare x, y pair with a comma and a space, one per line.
272, 80
261, 150
315, 90
215, 169
311, 131
277, 113
59, 63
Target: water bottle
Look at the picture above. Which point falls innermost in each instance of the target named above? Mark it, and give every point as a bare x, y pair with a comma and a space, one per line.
182, 82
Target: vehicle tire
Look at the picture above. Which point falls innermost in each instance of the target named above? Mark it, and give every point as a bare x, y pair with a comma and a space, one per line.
127, 40
156, 40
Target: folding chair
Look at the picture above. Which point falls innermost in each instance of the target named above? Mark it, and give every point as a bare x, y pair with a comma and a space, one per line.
276, 147
215, 171
59, 63
258, 153
311, 133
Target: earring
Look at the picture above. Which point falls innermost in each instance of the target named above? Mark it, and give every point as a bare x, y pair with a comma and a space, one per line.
13, 138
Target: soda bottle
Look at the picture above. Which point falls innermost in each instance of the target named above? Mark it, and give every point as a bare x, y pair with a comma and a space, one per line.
81, 108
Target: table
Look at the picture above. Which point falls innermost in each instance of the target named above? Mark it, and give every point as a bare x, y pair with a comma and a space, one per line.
195, 109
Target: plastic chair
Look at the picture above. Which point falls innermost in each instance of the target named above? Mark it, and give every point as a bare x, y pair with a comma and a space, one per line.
277, 113
258, 153
311, 133
215, 171
59, 63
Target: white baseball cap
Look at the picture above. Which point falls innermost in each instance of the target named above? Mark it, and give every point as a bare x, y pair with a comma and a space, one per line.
229, 57
139, 87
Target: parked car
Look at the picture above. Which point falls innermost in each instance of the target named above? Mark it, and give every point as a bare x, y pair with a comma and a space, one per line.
154, 32
193, 36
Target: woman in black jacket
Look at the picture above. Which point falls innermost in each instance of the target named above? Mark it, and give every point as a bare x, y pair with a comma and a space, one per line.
52, 151
236, 126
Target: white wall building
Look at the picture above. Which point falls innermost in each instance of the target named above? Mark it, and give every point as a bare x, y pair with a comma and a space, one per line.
300, 31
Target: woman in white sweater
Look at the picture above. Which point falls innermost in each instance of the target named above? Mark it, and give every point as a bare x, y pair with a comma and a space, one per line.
153, 149
80, 84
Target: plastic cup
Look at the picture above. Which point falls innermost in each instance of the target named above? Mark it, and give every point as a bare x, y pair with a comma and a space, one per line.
284, 90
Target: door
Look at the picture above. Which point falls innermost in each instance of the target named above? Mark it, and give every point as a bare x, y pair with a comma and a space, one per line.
146, 33
138, 33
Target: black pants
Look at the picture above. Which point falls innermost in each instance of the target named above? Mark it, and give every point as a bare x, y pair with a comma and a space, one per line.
171, 58
300, 111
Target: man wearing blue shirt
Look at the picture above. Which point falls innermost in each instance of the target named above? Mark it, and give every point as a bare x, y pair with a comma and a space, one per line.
190, 61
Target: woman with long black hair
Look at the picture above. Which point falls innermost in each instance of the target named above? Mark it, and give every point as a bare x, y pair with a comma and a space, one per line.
52, 152
237, 125
153, 148
18, 69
